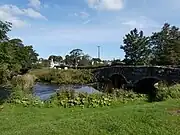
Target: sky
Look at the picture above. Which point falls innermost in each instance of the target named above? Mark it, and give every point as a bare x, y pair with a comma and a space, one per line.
58, 26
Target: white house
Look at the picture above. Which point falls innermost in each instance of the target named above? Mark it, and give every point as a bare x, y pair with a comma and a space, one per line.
58, 64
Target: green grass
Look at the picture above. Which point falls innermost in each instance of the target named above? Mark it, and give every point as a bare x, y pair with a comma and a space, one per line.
138, 118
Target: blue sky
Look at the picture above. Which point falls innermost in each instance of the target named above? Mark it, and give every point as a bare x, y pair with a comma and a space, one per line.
58, 26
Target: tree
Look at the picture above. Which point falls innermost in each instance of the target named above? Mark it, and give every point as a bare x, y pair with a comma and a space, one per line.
166, 46
85, 61
76, 52
14, 55
30, 56
5, 27
59, 58
17, 42
76, 55
136, 48
56, 58
41, 63
51, 57
68, 60
5, 53
117, 62
96, 61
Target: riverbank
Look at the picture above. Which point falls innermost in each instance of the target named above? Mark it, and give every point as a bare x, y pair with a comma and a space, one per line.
57, 76
137, 118
44, 91
70, 112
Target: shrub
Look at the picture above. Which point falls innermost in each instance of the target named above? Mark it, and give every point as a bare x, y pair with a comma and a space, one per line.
127, 95
174, 91
22, 97
4, 74
70, 98
164, 92
21, 91
24, 81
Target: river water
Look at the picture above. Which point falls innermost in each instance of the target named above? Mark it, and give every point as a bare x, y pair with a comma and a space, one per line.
44, 91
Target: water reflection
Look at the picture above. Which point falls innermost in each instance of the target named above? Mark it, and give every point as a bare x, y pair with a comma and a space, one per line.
44, 91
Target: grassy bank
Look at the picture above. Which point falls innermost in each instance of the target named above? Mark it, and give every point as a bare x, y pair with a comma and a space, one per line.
70, 76
133, 118
22, 94
68, 112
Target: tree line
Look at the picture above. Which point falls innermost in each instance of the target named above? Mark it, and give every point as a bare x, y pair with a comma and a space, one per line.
161, 48
76, 57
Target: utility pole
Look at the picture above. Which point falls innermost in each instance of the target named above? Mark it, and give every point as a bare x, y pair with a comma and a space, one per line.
99, 52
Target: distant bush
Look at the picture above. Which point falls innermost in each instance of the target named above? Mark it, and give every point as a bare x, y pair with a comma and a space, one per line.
70, 76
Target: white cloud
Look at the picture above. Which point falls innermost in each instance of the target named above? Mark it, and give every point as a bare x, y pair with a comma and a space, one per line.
134, 24
6, 16
84, 14
13, 14
35, 3
140, 22
17, 23
11, 9
86, 22
14, 10
106, 4
33, 14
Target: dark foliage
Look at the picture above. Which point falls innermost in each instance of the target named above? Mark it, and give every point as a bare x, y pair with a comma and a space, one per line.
15, 57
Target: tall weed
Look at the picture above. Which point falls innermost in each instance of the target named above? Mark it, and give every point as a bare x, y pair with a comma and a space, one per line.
24, 81
164, 92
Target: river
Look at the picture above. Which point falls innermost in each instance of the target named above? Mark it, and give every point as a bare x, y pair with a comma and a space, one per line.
44, 91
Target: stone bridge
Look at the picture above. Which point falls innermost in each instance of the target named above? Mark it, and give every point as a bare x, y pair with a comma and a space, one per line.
136, 77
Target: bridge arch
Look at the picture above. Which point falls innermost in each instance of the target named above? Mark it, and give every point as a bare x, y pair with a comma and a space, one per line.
118, 80
146, 84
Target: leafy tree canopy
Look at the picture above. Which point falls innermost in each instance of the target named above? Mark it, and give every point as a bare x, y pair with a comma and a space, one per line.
13, 53
5, 27
166, 46
136, 48
56, 58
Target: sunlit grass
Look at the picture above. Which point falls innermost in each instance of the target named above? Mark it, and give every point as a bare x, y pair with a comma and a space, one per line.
132, 118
